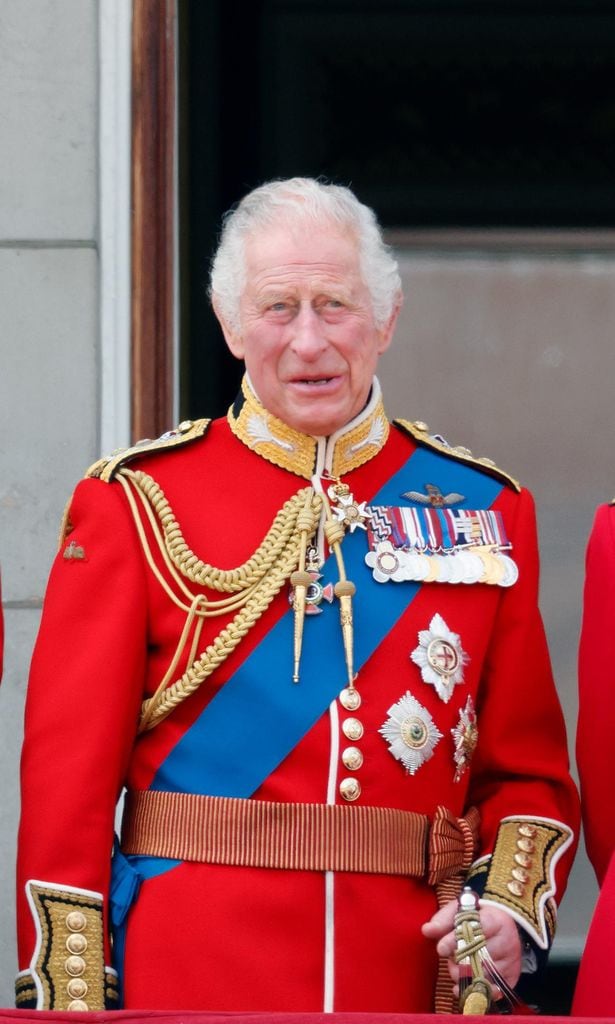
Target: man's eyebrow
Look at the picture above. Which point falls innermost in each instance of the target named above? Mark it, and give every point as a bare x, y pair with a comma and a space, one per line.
268, 295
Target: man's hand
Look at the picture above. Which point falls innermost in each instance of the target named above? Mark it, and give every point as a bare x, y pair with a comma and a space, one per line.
499, 929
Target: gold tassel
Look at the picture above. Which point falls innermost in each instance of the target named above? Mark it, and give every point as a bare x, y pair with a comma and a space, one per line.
300, 580
344, 589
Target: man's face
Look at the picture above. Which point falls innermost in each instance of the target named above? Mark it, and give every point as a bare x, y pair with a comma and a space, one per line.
307, 331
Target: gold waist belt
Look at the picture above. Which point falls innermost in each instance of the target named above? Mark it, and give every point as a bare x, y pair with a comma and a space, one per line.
299, 837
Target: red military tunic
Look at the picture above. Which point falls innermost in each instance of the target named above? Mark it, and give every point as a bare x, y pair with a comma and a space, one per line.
222, 936
596, 762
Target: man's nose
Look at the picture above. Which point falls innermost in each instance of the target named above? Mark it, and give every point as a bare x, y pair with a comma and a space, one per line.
308, 335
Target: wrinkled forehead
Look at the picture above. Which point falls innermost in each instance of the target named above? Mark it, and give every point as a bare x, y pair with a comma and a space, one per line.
300, 241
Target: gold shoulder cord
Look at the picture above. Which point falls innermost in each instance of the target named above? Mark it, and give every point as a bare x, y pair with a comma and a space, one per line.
251, 586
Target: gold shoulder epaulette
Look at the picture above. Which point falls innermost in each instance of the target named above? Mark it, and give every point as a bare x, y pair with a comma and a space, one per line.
612, 501
419, 431
189, 430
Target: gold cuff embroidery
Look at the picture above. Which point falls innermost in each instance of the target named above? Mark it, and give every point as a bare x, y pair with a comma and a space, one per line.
478, 872
67, 969
521, 872
25, 992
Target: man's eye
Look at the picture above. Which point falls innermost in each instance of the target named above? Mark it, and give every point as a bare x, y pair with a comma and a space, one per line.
278, 307
335, 304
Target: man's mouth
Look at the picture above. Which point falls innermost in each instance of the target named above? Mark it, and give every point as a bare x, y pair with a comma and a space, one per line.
313, 381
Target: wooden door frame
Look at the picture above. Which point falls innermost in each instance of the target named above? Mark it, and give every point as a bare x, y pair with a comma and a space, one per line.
153, 206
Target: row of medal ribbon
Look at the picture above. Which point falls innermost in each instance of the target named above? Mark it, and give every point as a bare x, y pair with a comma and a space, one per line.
472, 564
440, 546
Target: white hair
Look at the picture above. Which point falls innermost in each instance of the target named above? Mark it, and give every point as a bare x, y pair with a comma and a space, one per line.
315, 200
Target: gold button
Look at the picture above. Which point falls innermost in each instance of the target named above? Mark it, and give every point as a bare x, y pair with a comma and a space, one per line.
420, 425
350, 699
352, 729
527, 830
184, 426
352, 758
350, 789
74, 965
526, 845
460, 449
515, 888
77, 988
78, 1006
76, 943
523, 859
520, 874
76, 921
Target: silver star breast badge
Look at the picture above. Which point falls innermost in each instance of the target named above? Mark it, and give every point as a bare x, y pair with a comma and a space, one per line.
440, 657
410, 733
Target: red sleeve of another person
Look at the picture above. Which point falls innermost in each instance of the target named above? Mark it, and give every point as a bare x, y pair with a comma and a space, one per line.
596, 725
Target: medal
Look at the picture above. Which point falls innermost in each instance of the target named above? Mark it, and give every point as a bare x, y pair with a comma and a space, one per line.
410, 733
440, 657
345, 509
315, 592
465, 736
385, 562
511, 571
472, 566
436, 544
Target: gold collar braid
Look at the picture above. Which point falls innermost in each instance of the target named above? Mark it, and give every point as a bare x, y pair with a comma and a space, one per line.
272, 439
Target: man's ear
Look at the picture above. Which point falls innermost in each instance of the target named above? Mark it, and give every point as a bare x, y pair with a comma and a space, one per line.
232, 336
387, 331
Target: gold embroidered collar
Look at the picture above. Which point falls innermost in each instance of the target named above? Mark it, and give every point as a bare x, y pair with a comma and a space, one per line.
304, 454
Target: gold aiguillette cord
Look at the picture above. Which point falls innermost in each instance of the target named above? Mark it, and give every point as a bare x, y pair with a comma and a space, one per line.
344, 589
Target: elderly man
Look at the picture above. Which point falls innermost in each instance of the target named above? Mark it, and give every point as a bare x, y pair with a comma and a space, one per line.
306, 640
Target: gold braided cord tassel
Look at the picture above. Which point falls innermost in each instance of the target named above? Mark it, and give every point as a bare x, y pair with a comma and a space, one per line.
300, 580
260, 578
251, 586
207, 575
344, 589
157, 708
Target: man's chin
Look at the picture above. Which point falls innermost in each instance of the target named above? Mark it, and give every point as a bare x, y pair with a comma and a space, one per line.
316, 426
318, 414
